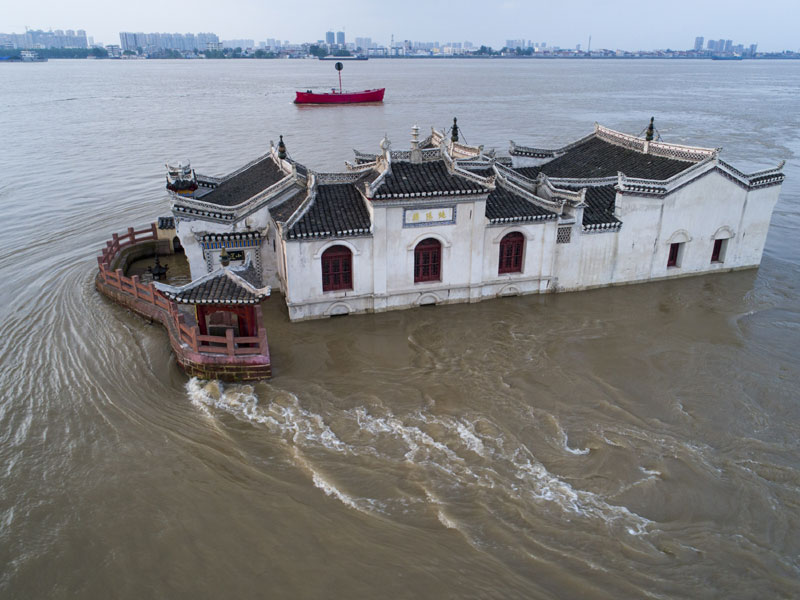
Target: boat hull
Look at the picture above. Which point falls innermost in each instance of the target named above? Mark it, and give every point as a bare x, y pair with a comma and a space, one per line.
337, 98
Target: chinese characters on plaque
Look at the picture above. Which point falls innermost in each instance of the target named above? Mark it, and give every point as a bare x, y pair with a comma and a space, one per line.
413, 217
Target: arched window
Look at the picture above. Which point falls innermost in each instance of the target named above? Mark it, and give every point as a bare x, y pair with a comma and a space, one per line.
337, 269
428, 261
511, 247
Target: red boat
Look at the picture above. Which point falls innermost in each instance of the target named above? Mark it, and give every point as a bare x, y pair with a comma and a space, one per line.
336, 97
339, 97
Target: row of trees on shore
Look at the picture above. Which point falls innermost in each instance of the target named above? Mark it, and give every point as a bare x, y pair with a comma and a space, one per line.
60, 52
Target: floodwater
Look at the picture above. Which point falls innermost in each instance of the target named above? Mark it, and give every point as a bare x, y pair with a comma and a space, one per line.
632, 442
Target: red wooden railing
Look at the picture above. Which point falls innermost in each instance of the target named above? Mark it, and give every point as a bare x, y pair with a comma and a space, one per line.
120, 241
188, 333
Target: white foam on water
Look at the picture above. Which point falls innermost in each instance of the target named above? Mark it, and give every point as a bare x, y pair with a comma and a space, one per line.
332, 490
576, 451
414, 438
545, 486
534, 478
442, 446
565, 439
7, 518
444, 520
652, 473
323, 483
466, 432
283, 415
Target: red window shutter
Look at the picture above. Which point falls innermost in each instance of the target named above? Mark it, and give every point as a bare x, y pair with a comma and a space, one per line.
511, 247
337, 269
427, 261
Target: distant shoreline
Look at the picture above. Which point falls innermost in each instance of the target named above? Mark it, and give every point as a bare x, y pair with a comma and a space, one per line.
794, 56
680, 58
646, 57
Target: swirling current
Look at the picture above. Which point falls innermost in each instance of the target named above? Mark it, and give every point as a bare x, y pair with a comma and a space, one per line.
630, 442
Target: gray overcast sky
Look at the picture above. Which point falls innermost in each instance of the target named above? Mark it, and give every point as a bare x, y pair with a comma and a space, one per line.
628, 24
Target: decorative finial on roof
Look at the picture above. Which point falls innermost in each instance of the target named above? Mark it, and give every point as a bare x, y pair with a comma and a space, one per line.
281, 149
650, 130
385, 143
224, 257
454, 135
181, 179
416, 153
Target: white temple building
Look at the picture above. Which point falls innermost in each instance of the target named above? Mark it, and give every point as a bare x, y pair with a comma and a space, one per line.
444, 222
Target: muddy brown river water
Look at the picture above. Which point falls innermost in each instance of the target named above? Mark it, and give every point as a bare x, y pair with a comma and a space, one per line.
630, 442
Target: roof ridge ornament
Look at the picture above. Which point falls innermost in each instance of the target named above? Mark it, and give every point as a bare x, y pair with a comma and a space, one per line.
181, 179
416, 153
650, 130
657, 148
281, 149
454, 130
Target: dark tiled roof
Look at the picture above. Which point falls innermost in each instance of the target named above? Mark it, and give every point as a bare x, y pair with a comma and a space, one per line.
427, 178
364, 157
600, 203
598, 158
337, 211
760, 180
504, 206
235, 285
286, 209
166, 222
370, 177
529, 172
246, 183
301, 168
482, 171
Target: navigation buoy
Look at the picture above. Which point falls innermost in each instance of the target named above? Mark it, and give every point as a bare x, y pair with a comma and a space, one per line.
339, 66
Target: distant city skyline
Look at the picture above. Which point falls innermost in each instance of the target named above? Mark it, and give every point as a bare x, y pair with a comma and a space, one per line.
623, 24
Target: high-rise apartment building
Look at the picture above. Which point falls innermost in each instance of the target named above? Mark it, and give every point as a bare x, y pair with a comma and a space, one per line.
329, 38
340, 38
698, 43
155, 42
36, 38
244, 44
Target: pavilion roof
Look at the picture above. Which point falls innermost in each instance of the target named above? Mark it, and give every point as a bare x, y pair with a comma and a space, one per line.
246, 182
506, 206
598, 158
226, 285
337, 210
432, 178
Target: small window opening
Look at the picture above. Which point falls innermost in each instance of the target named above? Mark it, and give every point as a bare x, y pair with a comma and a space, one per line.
674, 255
718, 253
